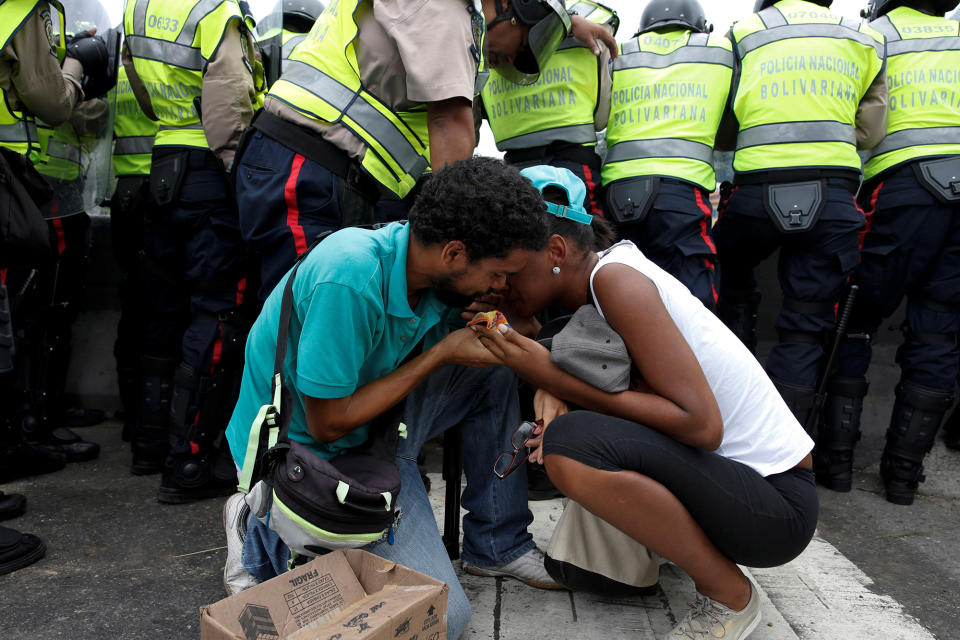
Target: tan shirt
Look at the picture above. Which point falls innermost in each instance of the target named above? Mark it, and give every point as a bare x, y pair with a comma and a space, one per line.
31, 76
227, 96
410, 52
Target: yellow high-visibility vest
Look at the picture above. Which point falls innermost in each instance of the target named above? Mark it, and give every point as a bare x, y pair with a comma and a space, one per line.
560, 106
321, 81
670, 89
18, 131
133, 132
804, 70
923, 70
171, 44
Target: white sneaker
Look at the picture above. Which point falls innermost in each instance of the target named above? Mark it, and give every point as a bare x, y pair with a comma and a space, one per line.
235, 514
528, 569
710, 619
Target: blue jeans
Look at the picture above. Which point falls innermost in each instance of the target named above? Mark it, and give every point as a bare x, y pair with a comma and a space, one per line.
484, 403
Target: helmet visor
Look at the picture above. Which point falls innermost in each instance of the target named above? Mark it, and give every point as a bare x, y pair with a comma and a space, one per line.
542, 41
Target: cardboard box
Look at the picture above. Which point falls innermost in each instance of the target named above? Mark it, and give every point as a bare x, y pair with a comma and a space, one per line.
348, 594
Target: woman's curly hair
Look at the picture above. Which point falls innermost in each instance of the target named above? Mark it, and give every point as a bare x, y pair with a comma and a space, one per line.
485, 204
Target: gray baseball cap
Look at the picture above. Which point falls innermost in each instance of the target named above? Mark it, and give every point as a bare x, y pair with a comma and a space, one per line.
589, 349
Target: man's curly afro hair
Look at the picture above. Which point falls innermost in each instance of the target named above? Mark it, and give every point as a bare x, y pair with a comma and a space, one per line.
483, 203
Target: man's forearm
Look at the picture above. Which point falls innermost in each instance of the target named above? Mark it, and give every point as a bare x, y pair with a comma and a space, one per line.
330, 420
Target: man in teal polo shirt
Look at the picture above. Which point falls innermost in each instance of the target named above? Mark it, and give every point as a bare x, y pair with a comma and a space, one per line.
371, 326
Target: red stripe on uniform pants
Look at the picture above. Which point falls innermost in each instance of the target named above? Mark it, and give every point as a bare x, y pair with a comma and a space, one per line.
293, 209
3, 276
591, 191
867, 215
241, 290
61, 238
705, 234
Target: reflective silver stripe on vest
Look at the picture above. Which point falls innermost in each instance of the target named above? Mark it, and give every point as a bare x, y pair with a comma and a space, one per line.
921, 45
687, 54
21, 131
195, 125
351, 105
907, 138
198, 13
178, 55
68, 152
791, 132
133, 144
771, 17
289, 45
140, 18
759, 39
660, 148
576, 134
884, 26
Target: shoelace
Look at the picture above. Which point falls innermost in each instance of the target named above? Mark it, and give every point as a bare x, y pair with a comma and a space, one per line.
700, 609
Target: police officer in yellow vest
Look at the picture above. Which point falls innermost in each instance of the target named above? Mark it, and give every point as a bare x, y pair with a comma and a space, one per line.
193, 68
373, 95
809, 90
32, 84
555, 120
34, 87
911, 195
130, 204
670, 89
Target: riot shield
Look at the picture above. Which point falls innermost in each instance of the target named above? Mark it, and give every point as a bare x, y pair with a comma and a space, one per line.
76, 155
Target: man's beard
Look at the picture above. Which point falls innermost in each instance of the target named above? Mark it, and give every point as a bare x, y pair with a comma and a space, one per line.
445, 292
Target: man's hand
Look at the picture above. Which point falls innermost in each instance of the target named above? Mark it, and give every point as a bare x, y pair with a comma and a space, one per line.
546, 407
464, 347
589, 32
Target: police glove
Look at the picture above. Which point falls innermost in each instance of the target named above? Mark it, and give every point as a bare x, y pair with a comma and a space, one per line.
91, 52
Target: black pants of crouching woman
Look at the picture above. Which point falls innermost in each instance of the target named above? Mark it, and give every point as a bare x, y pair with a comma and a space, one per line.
754, 520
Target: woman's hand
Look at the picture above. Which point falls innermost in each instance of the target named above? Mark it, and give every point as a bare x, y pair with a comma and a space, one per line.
546, 407
527, 326
589, 32
528, 358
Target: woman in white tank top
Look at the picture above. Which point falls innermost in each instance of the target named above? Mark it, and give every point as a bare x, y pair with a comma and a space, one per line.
701, 460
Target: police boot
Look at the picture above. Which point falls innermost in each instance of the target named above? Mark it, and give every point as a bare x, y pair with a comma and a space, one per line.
738, 310
917, 413
150, 441
839, 433
951, 429
195, 469
41, 400
800, 399
18, 459
130, 387
17, 550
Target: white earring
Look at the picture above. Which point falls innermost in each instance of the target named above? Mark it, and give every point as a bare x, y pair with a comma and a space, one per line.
556, 271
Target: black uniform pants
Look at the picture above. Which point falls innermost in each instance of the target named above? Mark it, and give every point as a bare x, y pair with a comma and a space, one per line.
677, 236
911, 248
812, 269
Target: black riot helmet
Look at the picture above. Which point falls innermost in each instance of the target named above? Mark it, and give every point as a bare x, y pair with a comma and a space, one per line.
877, 8
299, 15
763, 4
549, 25
662, 13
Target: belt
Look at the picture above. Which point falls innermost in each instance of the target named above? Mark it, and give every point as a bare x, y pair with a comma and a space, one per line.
196, 158
555, 151
847, 179
313, 147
